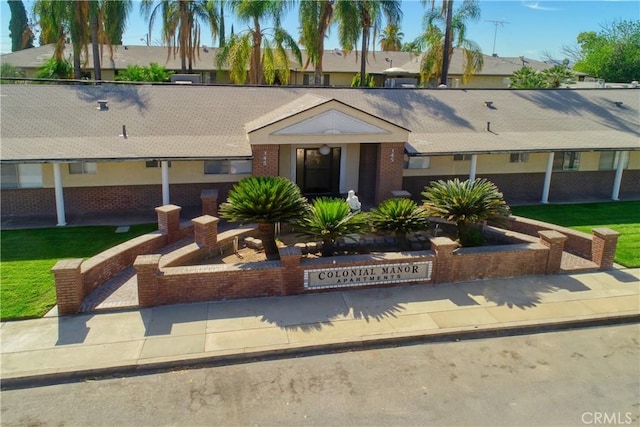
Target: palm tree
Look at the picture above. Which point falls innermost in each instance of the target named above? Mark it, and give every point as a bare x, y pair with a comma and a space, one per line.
265, 200
557, 75
391, 38
315, 18
356, 20
268, 58
181, 26
527, 78
107, 22
84, 22
400, 216
59, 19
329, 219
466, 203
435, 63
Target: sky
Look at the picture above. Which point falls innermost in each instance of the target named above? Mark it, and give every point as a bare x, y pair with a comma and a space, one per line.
533, 29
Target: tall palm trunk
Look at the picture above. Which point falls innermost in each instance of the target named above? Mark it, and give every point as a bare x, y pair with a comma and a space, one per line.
363, 56
95, 45
255, 76
447, 44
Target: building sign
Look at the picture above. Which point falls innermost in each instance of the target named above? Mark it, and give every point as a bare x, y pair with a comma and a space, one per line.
367, 275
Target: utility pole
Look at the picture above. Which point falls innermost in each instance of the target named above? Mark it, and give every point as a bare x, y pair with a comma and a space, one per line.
495, 33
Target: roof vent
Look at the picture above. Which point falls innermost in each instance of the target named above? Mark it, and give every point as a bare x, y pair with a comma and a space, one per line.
488, 104
618, 103
102, 105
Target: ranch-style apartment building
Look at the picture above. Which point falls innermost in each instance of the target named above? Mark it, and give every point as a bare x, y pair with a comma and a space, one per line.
74, 149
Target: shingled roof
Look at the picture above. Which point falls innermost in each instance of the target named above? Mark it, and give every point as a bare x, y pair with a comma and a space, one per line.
63, 122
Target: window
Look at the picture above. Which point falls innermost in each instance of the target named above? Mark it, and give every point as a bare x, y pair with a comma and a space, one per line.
21, 176
609, 160
417, 162
227, 167
307, 79
83, 168
566, 161
154, 164
459, 157
518, 157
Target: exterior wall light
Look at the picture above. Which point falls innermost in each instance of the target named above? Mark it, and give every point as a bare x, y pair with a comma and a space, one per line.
324, 149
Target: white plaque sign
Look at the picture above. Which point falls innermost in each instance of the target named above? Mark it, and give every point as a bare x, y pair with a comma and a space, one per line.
367, 275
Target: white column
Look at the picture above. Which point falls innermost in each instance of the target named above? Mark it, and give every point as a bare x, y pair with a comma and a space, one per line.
547, 178
474, 166
165, 182
622, 158
57, 182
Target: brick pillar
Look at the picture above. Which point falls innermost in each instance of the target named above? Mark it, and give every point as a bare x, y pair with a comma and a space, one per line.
69, 289
266, 159
292, 274
169, 221
147, 270
443, 247
209, 202
603, 247
205, 230
390, 167
554, 240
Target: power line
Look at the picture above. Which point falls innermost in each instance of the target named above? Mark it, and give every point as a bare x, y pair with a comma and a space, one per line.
495, 32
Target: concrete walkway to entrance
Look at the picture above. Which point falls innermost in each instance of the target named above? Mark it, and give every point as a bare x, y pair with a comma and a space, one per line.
94, 344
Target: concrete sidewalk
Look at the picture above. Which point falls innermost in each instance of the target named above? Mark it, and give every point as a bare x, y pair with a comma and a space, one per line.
56, 348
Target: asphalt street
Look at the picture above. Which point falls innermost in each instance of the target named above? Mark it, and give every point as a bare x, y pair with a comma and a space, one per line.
570, 378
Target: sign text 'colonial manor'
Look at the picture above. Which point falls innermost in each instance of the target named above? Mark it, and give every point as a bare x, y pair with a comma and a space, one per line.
367, 275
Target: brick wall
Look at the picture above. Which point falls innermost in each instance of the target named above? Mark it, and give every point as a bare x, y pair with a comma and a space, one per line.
28, 202
527, 187
390, 167
265, 160
82, 200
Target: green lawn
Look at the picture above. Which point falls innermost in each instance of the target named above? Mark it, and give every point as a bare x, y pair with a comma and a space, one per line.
27, 287
623, 217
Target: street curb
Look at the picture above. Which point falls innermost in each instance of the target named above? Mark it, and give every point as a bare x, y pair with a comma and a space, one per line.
138, 369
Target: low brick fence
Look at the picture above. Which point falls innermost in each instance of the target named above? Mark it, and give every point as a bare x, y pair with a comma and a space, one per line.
75, 278
165, 279
161, 282
599, 248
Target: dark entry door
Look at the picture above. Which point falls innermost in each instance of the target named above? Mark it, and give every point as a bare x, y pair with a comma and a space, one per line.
318, 174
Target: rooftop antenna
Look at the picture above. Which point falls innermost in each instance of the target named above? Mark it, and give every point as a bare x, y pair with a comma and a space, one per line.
495, 33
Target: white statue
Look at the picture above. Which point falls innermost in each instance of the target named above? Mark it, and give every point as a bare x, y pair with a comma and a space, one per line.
353, 201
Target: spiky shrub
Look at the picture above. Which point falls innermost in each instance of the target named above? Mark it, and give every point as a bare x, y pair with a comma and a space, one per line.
329, 219
401, 216
466, 203
264, 200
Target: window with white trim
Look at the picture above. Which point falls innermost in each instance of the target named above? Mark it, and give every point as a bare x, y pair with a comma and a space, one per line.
609, 160
460, 157
154, 164
518, 157
21, 176
227, 167
83, 168
566, 161
417, 162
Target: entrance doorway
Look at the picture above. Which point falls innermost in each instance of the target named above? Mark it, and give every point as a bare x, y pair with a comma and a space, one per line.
318, 174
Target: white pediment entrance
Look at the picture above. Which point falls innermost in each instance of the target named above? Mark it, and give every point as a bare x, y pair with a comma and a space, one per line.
331, 122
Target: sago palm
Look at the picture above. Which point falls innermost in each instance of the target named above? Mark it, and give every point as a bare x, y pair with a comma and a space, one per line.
401, 216
329, 219
466, 203
264, 200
